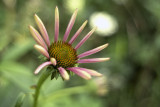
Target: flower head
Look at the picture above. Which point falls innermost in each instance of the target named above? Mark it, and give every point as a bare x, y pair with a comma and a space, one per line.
61, 54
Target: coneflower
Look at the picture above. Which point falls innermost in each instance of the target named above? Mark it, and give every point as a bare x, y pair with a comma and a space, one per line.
61, 54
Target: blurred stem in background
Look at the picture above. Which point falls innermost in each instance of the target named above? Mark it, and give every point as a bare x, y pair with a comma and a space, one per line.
89, 87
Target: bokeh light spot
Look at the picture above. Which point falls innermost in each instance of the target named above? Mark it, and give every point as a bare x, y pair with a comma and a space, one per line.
106, 24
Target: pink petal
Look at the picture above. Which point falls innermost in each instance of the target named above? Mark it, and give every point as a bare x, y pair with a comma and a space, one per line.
90, 52
42, 66
37, 37
78, 32
85, 38
56, 24
41, 50
42, 29
70, 25
63, 73
53, 60
89, 71
93, 60
81, 73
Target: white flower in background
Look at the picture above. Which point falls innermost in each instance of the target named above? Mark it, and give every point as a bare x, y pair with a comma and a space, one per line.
106, 24
102, 85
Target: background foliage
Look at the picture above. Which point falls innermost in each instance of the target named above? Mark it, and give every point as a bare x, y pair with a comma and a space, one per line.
131, 77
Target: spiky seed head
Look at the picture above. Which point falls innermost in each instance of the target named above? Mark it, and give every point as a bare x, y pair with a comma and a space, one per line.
64, 54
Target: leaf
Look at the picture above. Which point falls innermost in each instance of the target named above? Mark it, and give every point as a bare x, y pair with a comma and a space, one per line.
16, 51
17, 73
20, 100
4, 40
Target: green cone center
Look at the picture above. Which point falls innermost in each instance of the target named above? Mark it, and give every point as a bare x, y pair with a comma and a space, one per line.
64, 54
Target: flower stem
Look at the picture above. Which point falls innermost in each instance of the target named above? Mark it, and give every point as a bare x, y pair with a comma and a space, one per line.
41, 80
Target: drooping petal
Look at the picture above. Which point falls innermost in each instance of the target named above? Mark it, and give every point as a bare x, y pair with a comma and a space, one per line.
42, 29
85, 38
37, 37
41, 50
42, 66
92, 60
56, 24
53, 60
81, 73
89, 71
90, 52
70, 25
78, 32
63, 73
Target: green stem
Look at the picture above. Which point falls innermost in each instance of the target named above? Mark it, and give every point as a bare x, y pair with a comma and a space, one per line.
41, 80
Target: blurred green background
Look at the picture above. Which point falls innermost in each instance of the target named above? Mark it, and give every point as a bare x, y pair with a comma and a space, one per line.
131, 77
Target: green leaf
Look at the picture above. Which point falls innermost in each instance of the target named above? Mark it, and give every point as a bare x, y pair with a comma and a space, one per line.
20, 100
16, 51
4, 40
17, 74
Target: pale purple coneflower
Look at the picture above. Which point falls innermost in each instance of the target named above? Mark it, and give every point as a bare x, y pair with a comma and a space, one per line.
61, 54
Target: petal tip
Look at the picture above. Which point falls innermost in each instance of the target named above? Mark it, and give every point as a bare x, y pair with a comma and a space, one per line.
63, 73
76, 10
36, 46
105, 45
99, 75
88, 78
107, 58
56, 9
67, 78
35, 73
29, 26
35, 15
53, 60
94, 29
37, 19
86, 22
